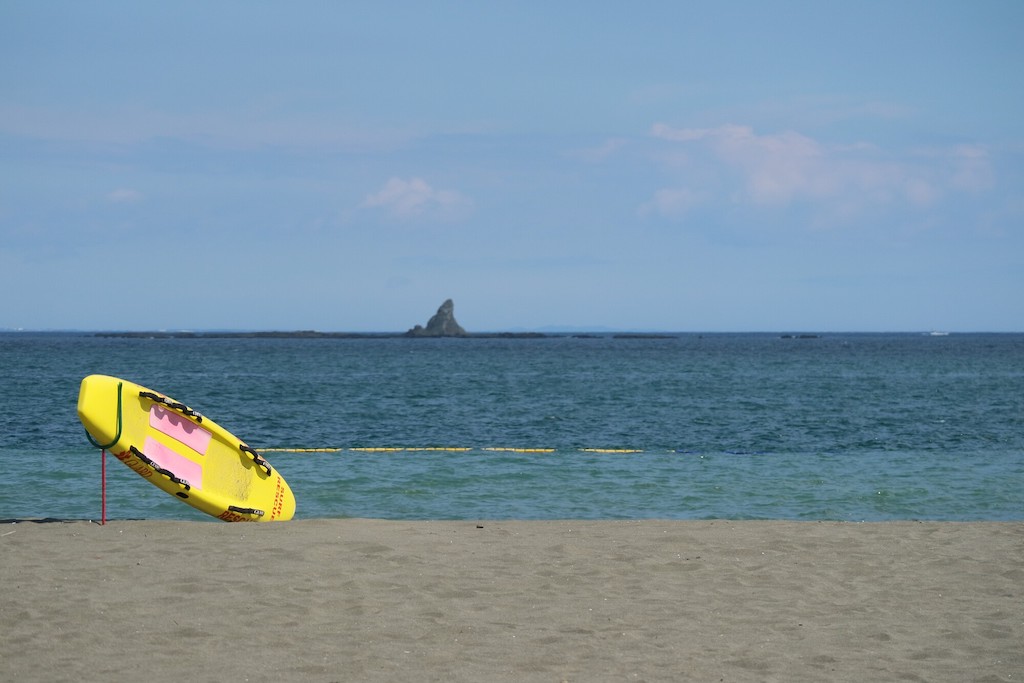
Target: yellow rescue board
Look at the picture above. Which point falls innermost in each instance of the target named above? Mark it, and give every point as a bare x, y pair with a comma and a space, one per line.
182, 452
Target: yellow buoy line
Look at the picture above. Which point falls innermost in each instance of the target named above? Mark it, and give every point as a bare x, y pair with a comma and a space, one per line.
442, 449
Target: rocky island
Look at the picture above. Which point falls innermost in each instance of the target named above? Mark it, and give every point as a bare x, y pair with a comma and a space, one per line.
442, 324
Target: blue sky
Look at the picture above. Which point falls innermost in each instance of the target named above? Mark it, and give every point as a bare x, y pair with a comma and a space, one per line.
684, 166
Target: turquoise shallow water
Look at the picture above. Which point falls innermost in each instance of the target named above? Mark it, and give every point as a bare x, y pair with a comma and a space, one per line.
746, 426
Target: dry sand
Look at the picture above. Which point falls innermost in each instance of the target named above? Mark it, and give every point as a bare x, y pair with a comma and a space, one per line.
368, 600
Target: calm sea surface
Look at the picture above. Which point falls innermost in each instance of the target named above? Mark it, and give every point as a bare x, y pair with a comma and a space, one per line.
739, 426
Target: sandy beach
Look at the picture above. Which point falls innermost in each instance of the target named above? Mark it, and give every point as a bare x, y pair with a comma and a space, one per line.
370, 600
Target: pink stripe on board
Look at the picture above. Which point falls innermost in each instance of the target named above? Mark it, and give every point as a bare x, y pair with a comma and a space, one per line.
178, 465
177, 427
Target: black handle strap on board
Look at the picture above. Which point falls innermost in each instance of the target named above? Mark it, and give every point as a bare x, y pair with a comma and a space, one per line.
173, 405
256, 457
246, 511
117, 436
161, 470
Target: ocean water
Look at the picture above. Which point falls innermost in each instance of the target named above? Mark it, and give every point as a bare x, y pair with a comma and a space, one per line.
736, 426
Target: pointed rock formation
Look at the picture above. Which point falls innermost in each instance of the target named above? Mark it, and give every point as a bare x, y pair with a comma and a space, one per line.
441, 325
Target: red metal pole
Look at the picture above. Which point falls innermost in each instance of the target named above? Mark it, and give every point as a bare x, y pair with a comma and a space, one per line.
103, 487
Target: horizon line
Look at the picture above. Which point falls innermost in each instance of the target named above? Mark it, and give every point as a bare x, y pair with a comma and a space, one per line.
546, 330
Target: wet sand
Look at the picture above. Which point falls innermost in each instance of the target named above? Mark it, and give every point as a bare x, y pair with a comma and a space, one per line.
371, 600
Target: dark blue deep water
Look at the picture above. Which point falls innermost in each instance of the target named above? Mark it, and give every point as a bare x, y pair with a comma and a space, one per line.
739, 426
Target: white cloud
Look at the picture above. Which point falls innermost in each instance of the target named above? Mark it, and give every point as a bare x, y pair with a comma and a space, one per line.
776, 170
124, 195
973, 168
666, 132
673, 202
414, 198
598, 154
920, 192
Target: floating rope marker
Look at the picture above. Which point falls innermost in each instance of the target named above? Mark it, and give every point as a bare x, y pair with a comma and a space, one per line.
519, 450
301, 450
610, 450
446, 449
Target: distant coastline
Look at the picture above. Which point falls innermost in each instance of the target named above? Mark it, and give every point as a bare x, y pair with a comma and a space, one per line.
312, 334
552, 333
